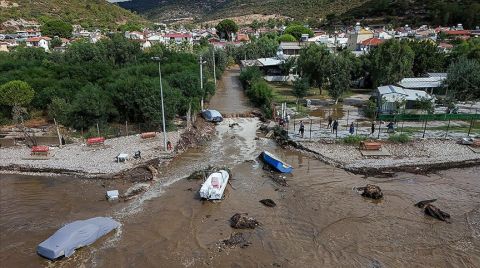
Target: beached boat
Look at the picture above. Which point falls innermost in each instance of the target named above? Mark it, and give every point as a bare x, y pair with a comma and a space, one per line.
214, 186
75, 235
276, 163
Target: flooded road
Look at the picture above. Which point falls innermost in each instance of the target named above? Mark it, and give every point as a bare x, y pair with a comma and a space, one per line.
319, 220
229, 97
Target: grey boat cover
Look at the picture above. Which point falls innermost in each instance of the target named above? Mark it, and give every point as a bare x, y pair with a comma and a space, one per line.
75, 235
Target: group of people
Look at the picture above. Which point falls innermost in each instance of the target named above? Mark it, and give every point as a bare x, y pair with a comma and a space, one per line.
334, 125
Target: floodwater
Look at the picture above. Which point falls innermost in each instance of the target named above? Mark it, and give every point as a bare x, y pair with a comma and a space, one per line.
319, 221
229, 97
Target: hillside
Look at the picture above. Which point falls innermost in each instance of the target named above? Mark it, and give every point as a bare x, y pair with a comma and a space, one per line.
444, 12
203, 10
88, 13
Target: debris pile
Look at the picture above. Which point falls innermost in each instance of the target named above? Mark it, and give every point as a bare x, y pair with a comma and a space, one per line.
371, 191
237, 239
433, 211
243, 221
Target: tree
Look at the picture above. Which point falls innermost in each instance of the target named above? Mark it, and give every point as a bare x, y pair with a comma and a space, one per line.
16, 94
390, 62
339, 77
56, 42
297, 30
314, 64
427, 57
57, 28
287, 38
58, 109
300, 88
226, 27
463, 79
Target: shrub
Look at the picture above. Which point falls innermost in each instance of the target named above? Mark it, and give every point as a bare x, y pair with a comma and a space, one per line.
399, 138
354, 139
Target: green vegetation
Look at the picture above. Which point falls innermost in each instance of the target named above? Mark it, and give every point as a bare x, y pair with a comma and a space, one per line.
399, 138
57, 28
112, 81
391, 62
226, 28
16, 94
297, 31
354, 139
259, 92
464, 79
287, 38
88, 13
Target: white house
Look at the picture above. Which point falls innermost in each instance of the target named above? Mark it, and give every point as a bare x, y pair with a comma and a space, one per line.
389, 97
42, 42
178, 38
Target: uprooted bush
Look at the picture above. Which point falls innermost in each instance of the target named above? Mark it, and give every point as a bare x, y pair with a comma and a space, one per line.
399, 138
354, 139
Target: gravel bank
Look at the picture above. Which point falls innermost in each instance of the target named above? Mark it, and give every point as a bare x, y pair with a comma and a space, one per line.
419, 155
89, 161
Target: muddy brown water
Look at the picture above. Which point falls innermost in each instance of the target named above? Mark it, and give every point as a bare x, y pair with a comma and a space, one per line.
319, 221
229, 97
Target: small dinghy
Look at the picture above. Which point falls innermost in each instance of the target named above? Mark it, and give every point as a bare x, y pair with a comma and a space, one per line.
214, 186
276, 163
75, 235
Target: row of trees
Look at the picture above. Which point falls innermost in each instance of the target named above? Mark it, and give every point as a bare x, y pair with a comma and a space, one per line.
110, 81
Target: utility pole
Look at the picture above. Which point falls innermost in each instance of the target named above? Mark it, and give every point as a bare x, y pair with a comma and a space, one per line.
214, 69
201, 79
161, 97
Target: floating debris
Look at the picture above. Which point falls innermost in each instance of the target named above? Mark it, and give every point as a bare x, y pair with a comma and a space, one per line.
371, 191
242, 221
268, 203
423, 203
433, 211
237, 239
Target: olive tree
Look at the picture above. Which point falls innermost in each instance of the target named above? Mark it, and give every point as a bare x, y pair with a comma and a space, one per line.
16, 94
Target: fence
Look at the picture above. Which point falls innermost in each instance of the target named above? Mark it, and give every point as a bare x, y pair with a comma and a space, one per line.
416, 127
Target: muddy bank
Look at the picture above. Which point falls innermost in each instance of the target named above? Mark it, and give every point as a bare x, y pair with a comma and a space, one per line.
98, 162
418, 156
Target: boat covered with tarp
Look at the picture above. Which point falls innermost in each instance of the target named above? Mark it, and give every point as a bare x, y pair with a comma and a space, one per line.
74, 235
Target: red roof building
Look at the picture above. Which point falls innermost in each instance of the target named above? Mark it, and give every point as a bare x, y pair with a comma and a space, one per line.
372, 42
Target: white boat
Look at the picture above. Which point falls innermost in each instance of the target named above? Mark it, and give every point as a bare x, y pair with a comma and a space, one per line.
214, 186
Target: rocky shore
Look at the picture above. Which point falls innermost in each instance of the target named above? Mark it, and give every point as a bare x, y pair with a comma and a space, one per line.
99, 161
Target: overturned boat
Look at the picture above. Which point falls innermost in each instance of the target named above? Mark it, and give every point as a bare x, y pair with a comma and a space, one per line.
214, 185
276, 163
75, 235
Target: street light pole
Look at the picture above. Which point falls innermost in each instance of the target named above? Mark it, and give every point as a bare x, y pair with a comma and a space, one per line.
214, 69
201, 79
161, 97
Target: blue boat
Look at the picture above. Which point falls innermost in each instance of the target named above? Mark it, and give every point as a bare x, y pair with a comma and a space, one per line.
276, 163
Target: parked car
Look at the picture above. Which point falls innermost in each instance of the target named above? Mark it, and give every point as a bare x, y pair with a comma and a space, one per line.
212, 116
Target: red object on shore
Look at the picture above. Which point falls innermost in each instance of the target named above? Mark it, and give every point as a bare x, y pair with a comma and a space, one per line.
148, 135
96, 140
40, 149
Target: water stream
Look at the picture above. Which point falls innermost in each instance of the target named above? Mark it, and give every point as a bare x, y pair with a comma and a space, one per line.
319, 221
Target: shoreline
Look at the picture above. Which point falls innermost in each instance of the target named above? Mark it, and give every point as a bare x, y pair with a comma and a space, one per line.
385, 165
99, 162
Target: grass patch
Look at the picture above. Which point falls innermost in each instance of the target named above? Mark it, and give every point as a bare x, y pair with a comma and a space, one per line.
354, 139
399, 138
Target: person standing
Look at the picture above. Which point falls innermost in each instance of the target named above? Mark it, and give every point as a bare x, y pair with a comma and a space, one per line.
352, 129
302, 128
373, 128
329, 121
335, 127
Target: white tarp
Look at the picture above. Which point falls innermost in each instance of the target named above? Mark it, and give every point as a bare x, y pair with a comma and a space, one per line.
75, 235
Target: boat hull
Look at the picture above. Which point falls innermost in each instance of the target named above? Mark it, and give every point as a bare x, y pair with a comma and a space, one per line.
276, 163
214, 186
